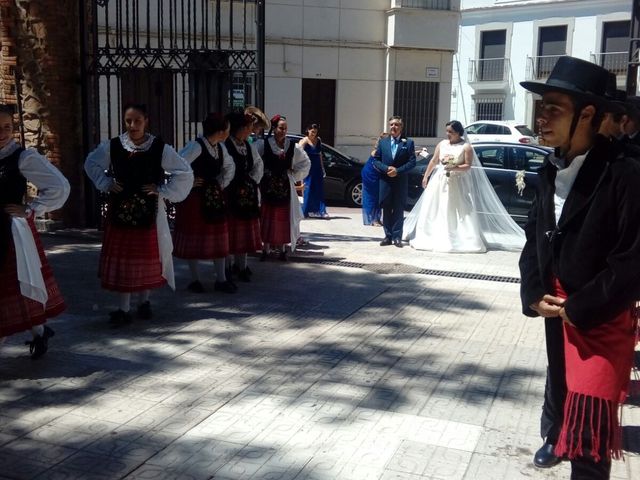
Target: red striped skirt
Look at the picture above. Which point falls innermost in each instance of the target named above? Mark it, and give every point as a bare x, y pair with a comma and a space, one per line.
19, 313
275, 224
196, 239
130, 259
244, 235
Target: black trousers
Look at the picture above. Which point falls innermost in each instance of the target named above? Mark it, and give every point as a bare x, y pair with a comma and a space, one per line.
555, 390
586, 469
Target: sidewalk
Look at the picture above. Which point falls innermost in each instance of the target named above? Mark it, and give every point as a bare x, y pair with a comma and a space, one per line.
351, 361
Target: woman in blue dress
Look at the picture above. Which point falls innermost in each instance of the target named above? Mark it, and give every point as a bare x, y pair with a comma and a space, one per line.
371, 211
313, 203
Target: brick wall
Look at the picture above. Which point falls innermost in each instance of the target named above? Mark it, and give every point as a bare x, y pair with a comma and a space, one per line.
40, 40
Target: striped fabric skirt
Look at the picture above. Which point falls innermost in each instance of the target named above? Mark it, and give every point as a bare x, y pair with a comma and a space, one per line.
19, 313
130, 259
275, 224
244, 235
195, 239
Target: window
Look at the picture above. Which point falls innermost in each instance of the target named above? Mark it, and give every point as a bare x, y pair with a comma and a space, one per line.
491, 157
552, 44
492, 50
524, 159
428, 4
489, 108
417, 104
615, 46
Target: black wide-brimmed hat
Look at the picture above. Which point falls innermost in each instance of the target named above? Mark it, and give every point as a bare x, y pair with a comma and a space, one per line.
615, 97
575, 77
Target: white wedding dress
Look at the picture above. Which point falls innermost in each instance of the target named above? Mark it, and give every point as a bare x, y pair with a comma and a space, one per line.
460, 213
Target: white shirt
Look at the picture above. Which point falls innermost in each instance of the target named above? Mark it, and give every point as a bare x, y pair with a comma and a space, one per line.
565, 178
193, 150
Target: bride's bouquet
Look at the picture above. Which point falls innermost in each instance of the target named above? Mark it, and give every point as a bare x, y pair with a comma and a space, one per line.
452, 161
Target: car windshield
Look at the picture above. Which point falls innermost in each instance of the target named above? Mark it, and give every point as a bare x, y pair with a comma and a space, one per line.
524, 130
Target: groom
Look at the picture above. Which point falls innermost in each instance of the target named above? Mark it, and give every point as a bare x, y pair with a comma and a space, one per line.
393, 158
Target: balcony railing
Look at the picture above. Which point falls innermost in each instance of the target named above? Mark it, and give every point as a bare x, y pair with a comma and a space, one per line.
539, 68
615, 62
425, 4
489, 70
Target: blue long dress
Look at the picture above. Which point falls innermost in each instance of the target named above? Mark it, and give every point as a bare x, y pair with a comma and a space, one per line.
370, 194
313, 201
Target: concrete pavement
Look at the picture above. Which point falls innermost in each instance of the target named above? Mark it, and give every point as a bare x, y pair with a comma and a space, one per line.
351, 361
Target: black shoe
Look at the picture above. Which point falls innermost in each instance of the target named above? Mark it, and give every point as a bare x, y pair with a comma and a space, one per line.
545, 458
263, 255
385, 242
119, 318
195, 287
282, 256
226, 287
244, 275
398, 243
40, 344
144, 311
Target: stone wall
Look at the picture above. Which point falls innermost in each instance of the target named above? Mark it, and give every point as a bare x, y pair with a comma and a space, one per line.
40, 40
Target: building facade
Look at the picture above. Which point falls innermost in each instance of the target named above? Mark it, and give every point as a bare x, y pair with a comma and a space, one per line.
350, 64
504, 42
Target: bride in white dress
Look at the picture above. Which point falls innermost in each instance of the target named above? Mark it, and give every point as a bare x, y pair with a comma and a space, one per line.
459, 212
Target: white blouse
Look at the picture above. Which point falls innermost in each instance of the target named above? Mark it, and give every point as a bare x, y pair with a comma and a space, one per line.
257, 171
53, 187
300, 164
175, 190
193, 150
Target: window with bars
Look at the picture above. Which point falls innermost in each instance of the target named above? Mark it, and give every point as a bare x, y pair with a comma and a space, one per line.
427, 4
489, 108
417, 104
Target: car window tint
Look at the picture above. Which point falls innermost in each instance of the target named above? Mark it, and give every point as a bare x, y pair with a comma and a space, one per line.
524, 130
474, 129
534, 160
502, 130
491, 157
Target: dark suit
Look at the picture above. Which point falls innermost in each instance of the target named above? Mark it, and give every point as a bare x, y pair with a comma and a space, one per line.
393, 190
594, 251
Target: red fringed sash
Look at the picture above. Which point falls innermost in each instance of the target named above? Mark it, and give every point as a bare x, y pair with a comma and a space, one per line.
598, 368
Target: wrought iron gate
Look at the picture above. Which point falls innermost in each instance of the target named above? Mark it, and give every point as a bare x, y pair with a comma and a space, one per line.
182, 58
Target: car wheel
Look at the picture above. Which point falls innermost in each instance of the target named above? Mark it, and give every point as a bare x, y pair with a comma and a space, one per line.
354, 194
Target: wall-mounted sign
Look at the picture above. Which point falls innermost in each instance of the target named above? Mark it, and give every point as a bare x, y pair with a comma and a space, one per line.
433, 72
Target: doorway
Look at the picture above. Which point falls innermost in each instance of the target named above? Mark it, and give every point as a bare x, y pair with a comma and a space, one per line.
319, 106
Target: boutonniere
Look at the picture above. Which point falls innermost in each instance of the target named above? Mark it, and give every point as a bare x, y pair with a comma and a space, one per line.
403, 140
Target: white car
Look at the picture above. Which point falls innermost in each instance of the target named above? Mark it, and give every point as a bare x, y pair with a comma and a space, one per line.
494, 131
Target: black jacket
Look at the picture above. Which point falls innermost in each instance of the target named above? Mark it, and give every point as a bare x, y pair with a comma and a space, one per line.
594, 250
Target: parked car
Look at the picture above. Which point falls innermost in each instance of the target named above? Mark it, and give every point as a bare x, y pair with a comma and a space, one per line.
501, 163
494, 131
343, 182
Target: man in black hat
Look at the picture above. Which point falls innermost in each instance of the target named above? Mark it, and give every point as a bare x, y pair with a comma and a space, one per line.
580, 270
632, 124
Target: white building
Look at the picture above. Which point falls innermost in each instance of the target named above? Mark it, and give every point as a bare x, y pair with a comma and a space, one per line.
350, 64
504, 42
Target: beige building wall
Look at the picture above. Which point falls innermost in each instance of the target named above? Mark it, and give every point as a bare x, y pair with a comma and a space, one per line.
366, 46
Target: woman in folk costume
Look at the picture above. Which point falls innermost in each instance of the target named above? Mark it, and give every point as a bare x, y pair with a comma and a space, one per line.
136, 249
243, 204
201, 230
580, 270
29, 294
285, 163
260, 123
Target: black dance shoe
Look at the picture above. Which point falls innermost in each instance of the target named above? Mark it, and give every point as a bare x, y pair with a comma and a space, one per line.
398, 243
545, 458
195, 287
119, 318
40, 344
264, 255
244, 275
282, 256
225, 287
385, 242
144, 311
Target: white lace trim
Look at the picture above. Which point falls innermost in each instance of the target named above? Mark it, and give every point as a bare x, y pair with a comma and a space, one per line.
129, 146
